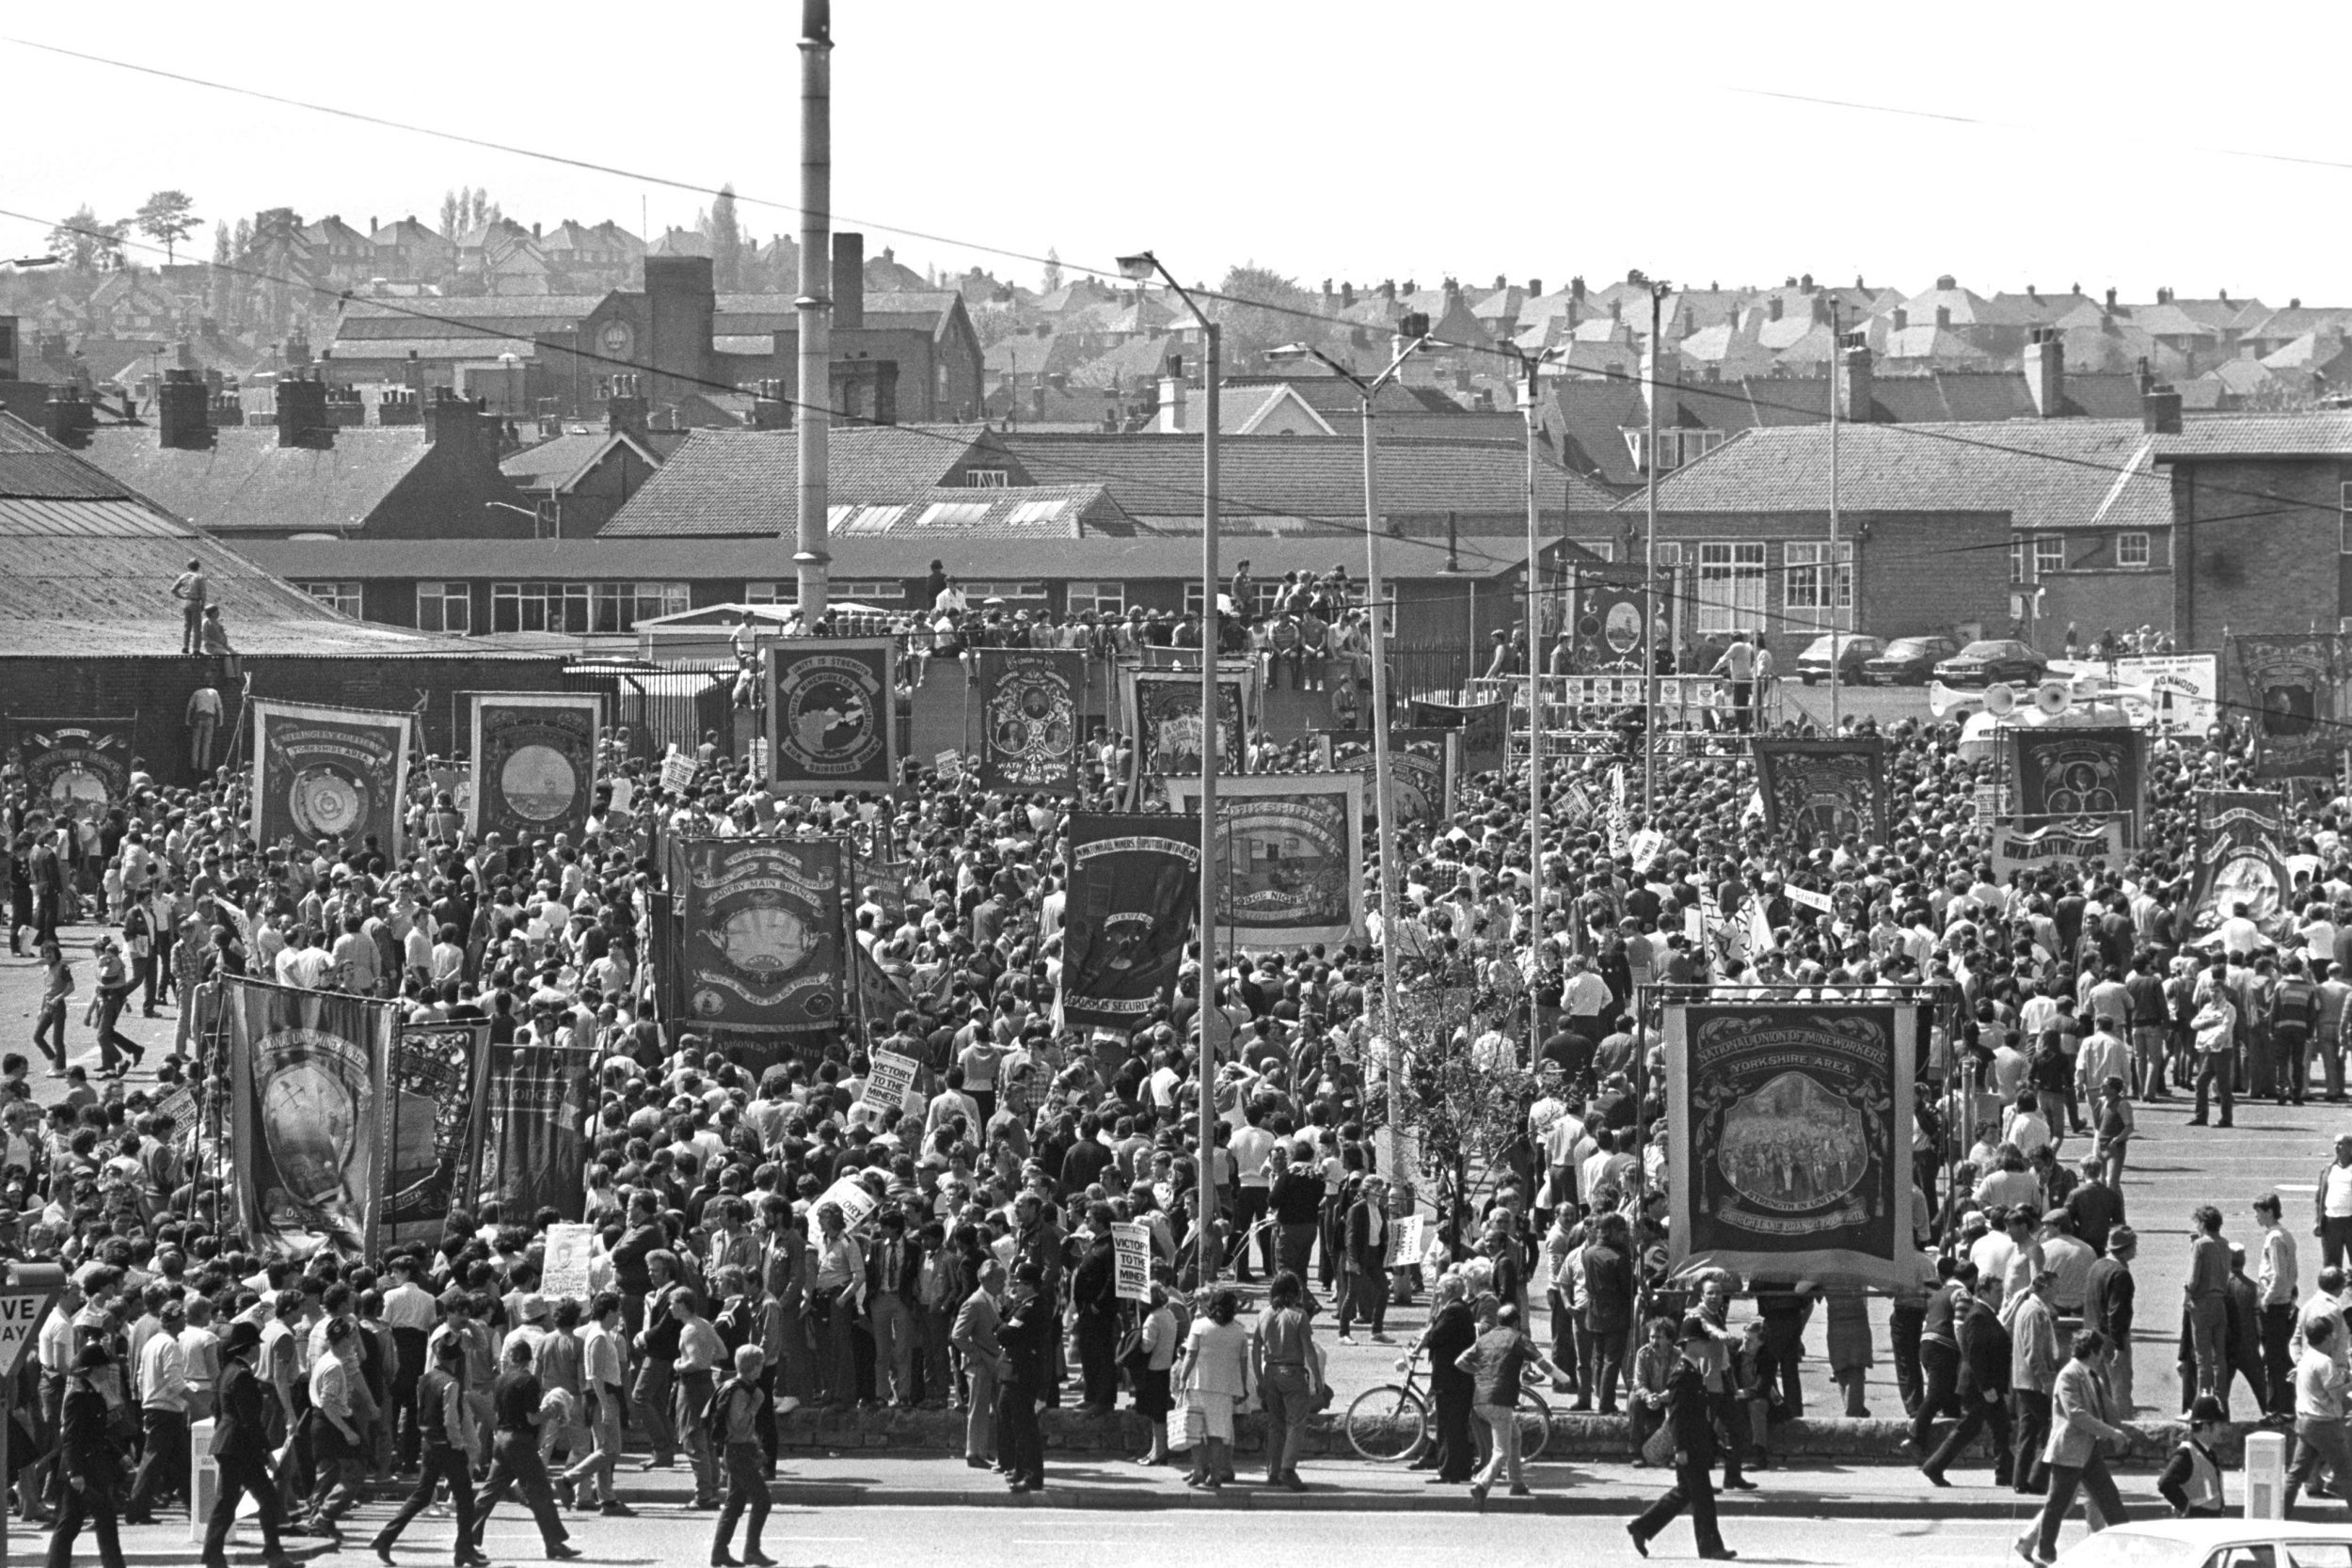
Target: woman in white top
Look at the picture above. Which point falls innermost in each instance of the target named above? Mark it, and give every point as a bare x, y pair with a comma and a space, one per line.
1154, 1357
1216, 1378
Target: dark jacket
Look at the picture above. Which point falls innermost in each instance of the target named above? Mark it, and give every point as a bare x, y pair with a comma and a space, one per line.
1094, 1283
1360, 1251
90, 1454
2108, 1299
1608, 1290
241, 1429
909, 1267
1984, 1351
1027, 1334
1688, 1412
1454, 1330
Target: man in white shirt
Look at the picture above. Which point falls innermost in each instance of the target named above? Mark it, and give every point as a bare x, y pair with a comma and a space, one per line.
163, 1383
1250, 1145
2333, 1203
2275, 1287
302, 965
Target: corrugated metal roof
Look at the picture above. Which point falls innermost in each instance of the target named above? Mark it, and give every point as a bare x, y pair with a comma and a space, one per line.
85, 520
53, 475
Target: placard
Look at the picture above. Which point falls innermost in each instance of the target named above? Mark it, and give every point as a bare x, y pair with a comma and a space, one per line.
1409, 1238
850, 1195
1806, 897
1132, 1244
891, 1077
563, 1267
678, 772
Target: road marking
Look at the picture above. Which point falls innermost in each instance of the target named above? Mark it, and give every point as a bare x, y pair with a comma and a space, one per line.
2298, 1186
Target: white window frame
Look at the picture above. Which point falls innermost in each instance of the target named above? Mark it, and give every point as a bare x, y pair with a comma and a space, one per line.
1026, 592
1803, 583
342, 595
988, 478
2049, 554
444, 596
956, 514
770, 590
2344, 512
1100, 595
2017, 562
2125, 552
881, 593
1730, 586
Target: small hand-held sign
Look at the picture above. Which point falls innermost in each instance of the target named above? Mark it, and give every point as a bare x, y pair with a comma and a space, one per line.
26, 1294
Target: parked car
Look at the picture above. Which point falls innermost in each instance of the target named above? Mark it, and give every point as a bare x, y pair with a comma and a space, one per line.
1909, 660
2210, 1543
1998, 658
1853, 651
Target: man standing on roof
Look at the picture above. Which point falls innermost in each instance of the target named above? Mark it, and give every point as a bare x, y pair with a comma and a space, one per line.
192, 590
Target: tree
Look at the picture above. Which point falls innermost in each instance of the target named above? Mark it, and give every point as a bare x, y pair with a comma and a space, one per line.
1053, 269
167, 217
727, 243
220, 245
452, 210
1464, 1109
85, 245
1276, 311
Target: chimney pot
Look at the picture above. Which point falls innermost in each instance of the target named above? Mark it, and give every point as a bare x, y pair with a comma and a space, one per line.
183, 411
2046, 373
302, 419
1902, 318
1946, 281
1772, 310
2111, 301
1943, 318
1534, 288
1857, 401
2160, 412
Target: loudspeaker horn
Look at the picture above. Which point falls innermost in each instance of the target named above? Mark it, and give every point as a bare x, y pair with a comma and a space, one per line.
1942, 698
2054, 697
2000, 699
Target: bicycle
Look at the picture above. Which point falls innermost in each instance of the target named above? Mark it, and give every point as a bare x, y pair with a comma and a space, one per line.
1390, 1422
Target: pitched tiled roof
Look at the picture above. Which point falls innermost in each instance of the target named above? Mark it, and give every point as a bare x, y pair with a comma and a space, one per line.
1277, 482
745, 483
2045, 473
246, 482
2325, 434
91, 568
503, 316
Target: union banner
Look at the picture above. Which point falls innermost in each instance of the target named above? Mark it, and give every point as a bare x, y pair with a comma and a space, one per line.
832, 715
75, 767
1164, 716
329, 774
534, 760
1133, 882
306, 1078
2066, 773
1789, 1140
2292, 681
2060, 846
2240, 861
432, 1107
1816, 789
1029, 718
1422, 767
1485, 730
1290, 855
759, 941
534, 1145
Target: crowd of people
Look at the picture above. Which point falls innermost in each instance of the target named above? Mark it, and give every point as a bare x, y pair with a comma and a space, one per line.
975, 1269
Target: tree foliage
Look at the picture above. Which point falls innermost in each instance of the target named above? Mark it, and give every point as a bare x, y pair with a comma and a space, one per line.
167, 217
727, 243
85, 244
1277, 313
1462, 1110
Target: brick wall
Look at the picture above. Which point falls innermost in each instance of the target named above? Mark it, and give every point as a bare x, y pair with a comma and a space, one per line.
156, 691
2263, 553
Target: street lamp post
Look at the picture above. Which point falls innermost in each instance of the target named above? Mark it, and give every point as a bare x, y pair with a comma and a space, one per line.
1141, 268
1412, 335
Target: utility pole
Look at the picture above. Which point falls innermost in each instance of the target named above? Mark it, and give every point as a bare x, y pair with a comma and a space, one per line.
814, 307
1650, 598
1836, 643
1528, 364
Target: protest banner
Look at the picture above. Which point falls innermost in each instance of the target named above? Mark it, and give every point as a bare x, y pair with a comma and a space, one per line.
306, 1075
1133, 882
1816, 789
534, 762
849, 1196
760, 941
1030, 701
2060, 846
678, 772
77, 768
832, 703
891, 1076
1289, 850
329, 774
563, 1270
1131, 1244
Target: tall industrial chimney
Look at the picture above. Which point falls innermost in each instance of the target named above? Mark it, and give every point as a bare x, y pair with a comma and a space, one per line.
815, 302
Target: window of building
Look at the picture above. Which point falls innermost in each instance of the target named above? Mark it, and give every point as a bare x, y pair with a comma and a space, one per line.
1033, 514
771, 592
2343, 503
952, 515
617, 607
340, 597
881, 593
865, 519
579, 608
981, 591
1730, 587
2049, 555
1106, 598
444, 607
1605, 549
1806, 587
988, 478
1676, 447
2017, 561
2131, 549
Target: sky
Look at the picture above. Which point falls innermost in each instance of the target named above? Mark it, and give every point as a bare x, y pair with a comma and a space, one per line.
2045, 145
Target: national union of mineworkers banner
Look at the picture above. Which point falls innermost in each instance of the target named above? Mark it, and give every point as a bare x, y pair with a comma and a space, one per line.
306, 1080
760, 933
2065, 774
1423, 766
432, 1103
1029, 718
534, 760
1485, 730
1789, 1141
75, 766
832, 715
1134, 885
2240, 859
1812, 788
1290, 855
329, 774
2060, 846
1163, 713
2291, 681
534, 1143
